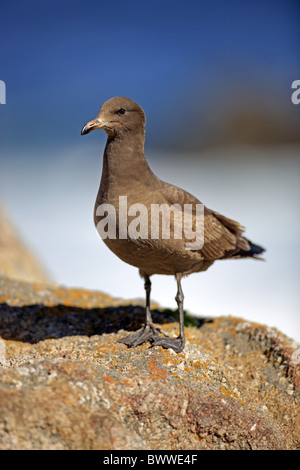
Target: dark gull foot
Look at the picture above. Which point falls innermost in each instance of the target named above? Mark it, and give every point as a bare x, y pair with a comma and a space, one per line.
174, 343
145, 333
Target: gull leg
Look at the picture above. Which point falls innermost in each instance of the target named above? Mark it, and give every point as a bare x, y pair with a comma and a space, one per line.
147, 331
174, 343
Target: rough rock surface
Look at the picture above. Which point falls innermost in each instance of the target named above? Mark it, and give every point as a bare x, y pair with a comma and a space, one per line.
16, 259
65, 382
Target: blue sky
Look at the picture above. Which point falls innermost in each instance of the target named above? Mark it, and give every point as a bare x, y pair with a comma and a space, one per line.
62, 60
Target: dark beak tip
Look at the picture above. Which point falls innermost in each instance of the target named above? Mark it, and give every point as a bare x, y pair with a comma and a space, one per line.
84, 131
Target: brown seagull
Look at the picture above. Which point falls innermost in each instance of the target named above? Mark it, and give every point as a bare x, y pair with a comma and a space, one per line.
126, 177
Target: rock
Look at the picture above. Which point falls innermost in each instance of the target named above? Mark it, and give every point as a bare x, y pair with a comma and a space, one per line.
16, 259
65, 382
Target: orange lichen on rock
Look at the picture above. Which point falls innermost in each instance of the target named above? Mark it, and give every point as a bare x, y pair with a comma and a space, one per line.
62, 344
155, 372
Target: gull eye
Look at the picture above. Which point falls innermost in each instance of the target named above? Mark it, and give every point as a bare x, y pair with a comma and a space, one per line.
121, 111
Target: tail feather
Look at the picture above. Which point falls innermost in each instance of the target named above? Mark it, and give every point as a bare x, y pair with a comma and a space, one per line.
256, 249
253, 252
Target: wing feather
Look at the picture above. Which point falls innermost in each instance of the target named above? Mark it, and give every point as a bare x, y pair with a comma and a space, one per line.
222, 236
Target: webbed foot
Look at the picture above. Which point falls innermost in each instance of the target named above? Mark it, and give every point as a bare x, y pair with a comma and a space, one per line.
145, 333
174, 343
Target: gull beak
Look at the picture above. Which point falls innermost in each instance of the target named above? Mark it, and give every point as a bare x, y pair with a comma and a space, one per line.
92, 125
